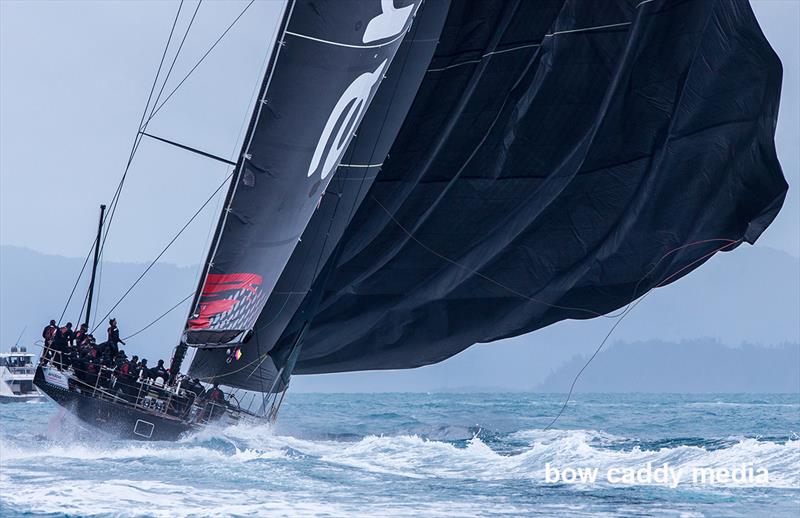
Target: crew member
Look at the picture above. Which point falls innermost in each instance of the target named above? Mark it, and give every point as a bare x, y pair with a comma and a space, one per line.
158, 371
48, 335
215, 393
215, 402
80, 335
113, 337
61, 343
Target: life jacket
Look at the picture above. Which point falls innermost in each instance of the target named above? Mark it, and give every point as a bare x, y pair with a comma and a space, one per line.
50, 333
124, 369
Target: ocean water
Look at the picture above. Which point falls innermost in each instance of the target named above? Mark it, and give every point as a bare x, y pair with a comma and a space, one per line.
422, 455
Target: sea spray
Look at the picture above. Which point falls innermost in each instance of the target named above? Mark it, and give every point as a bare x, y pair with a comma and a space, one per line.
434, 455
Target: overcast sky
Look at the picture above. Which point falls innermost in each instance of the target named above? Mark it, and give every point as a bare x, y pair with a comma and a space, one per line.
74, 77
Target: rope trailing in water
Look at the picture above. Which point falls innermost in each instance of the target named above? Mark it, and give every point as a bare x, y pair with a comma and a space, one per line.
619, 317
632, 306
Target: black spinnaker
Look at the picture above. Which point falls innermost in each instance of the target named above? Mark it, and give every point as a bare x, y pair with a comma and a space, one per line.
523, 163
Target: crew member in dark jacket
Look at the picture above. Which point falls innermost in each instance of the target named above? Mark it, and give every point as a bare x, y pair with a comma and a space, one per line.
215, 403
80, 335
48, 335
158, 371
61, 343
113, 337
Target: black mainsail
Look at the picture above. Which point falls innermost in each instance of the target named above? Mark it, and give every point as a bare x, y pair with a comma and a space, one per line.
290, 301
324, 72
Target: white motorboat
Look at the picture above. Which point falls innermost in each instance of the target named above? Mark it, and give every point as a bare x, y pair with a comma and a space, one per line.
16, 376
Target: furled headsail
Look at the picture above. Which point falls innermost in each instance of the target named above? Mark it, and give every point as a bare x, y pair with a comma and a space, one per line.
536, 161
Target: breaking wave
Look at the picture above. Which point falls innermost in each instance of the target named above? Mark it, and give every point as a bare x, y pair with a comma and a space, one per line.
253, 470
417, 457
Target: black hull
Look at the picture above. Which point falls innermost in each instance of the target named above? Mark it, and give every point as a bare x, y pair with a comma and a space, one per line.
118, 419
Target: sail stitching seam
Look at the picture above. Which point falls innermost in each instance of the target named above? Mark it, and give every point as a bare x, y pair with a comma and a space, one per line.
348, 45
365, 166
532, 45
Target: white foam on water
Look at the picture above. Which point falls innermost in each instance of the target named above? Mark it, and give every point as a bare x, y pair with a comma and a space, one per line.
67, 477
415, 457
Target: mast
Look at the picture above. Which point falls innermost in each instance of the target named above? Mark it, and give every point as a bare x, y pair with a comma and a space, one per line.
94, 263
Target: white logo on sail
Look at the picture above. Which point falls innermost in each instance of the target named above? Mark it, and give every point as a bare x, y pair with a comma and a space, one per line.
390, 22
345, 117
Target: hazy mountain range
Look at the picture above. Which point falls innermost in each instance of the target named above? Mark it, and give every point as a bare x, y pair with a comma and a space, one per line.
748, 296
688, 366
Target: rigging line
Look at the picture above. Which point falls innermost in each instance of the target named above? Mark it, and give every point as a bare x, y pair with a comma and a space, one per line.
137, 138
78, 280
530, 45
655, 265
625, 314
20, 335
175, 58
150, 266
167, 312
83, 306
99, 284
153, 114
240, 369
